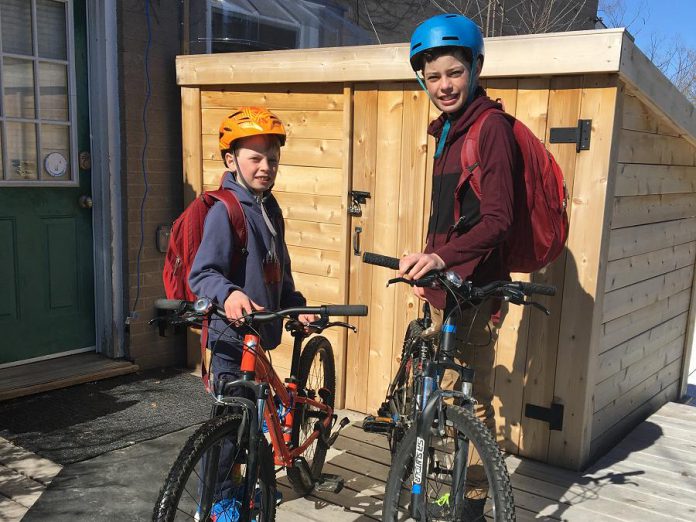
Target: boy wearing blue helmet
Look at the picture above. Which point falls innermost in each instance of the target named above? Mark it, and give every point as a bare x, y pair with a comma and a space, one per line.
447, 54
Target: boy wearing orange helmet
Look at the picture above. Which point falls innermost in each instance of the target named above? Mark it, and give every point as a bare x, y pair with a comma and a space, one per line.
250, 142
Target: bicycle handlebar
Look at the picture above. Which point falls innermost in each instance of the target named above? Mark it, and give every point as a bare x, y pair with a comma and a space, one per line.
527, 289
171, 304
263, 316
378, 259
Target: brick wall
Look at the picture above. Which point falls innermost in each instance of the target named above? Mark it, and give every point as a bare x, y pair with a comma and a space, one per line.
162, 166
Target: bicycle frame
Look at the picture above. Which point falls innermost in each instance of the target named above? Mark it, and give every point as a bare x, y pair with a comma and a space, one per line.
430, 406
256, 367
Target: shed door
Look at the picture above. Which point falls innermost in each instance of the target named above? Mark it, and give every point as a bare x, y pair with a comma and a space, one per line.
389, 162
46, 275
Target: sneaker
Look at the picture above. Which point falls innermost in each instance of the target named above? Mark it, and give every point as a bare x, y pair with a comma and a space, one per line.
226, 510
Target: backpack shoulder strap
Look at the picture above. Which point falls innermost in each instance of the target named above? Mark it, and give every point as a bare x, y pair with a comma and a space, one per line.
470, 152
235, 213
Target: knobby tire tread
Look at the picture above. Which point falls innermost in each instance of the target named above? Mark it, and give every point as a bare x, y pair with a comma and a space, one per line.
196, 445
474, 430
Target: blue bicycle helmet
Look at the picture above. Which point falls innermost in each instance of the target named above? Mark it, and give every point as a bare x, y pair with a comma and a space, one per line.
447, 30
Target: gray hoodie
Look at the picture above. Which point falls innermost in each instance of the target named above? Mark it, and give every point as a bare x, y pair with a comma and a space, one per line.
213, 276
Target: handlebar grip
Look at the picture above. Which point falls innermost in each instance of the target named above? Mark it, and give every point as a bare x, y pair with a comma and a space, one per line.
378, 259
535, 288
170, 304
346, 310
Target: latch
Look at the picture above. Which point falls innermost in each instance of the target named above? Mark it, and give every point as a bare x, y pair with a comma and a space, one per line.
357, 198
552, 415
579, 135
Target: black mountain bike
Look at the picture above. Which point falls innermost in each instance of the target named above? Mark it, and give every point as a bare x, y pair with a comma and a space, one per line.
430, 472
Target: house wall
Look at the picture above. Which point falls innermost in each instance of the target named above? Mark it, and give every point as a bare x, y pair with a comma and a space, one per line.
162, 165
649, 276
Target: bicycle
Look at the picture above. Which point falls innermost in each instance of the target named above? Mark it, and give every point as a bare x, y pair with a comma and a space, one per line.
428, 475
396, 412
226, 470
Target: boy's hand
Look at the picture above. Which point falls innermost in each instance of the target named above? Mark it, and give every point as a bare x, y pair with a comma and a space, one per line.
238, 304
415, 266
305, 319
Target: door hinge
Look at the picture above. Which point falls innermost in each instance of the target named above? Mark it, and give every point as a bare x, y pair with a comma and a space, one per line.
579, 135
552, 415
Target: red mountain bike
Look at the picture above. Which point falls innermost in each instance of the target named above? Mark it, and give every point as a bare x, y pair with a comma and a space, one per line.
226, 470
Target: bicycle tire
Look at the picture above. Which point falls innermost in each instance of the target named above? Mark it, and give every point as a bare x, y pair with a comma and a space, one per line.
179, 497
500, 503
317, 349
404, 387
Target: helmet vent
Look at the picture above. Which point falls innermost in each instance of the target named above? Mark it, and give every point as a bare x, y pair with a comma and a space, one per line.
450, 38
416, 46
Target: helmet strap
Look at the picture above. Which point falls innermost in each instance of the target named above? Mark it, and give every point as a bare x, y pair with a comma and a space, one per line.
443, 138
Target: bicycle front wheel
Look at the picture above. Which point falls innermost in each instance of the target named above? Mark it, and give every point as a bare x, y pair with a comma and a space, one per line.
447, 459
317, 371
207, 480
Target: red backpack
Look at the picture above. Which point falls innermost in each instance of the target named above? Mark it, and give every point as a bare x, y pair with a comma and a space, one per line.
540, 225
186, 235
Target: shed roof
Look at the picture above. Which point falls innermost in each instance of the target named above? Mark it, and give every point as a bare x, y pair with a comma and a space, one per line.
576, 52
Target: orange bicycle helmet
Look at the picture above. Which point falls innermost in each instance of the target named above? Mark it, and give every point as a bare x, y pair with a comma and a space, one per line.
250, 121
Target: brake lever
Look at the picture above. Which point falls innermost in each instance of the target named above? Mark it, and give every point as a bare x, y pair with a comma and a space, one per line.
409, 282
538, 306
344, 325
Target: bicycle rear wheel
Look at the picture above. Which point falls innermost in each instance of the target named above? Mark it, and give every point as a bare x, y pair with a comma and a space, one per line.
317, 371
201, 482
403, 389
443, 501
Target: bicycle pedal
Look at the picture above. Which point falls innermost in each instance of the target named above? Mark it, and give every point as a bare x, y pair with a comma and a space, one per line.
372, 424
329, 483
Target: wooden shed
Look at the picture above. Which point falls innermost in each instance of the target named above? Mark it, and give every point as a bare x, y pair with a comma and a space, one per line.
616, 346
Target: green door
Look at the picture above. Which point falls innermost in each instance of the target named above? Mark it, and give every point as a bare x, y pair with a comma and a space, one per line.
46, 245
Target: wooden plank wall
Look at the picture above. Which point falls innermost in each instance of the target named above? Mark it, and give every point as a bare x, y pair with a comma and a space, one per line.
389, 160
311, 188
649, 275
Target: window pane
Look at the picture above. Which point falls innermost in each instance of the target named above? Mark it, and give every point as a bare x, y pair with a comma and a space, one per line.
21, 151
16, 26
53, 91
18, 76
50, 23
55, 141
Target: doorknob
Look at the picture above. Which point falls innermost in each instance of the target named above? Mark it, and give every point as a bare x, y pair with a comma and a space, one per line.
356, 241
85, 201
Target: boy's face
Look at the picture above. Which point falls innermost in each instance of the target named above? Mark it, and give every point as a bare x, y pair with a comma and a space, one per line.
258, 158
447, 80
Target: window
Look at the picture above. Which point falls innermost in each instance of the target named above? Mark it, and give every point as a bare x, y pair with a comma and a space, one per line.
37, 84
214, 26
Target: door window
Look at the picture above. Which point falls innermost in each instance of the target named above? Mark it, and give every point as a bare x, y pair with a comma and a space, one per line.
37, 81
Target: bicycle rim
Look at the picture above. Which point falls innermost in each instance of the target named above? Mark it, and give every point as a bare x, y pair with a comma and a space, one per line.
444, 502
209, 474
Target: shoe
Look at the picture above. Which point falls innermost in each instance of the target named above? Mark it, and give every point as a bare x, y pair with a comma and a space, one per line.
475, 508
226, 510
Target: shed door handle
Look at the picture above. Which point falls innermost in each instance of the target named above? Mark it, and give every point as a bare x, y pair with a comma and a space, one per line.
356, 241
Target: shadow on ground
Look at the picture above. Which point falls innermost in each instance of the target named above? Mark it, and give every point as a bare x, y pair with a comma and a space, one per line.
81, 422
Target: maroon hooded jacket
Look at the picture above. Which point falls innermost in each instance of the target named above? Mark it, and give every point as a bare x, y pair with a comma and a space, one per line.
472, 246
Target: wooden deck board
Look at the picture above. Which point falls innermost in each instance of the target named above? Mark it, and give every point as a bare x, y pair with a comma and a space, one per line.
61, 372
649, 476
